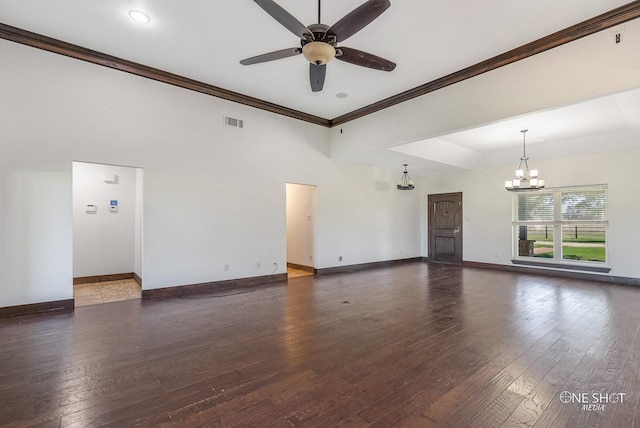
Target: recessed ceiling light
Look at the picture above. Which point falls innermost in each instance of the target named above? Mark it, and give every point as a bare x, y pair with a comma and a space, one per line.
342, 95
139, 16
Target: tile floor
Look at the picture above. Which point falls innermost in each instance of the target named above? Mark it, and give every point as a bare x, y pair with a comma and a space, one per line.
294, 273
108, 291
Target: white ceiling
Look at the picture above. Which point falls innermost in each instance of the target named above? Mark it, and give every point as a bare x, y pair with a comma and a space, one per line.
205, 40
601, 124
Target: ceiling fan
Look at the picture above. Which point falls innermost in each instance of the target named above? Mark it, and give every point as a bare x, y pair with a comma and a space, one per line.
319, 41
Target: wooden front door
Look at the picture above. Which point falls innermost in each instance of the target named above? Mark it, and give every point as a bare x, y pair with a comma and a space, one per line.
445, 228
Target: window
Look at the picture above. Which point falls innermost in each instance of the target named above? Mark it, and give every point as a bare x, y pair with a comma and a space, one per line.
564, 226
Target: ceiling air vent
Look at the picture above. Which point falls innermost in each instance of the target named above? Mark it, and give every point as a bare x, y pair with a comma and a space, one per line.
236, 123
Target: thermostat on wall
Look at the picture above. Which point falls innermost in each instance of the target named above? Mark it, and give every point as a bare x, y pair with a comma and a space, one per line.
113, 205
90, 209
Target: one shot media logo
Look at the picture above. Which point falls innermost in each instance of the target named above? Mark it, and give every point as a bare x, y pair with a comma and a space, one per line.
592, 401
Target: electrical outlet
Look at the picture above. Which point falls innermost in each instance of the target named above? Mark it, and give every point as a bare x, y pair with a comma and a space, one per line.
339, 258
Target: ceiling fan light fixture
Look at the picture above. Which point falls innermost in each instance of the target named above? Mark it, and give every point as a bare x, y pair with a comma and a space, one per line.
318, 53
319, 40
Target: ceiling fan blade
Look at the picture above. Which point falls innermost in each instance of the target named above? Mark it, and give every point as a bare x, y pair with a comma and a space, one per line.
316, 76
285, 18
364, 59
358, 18
284, 53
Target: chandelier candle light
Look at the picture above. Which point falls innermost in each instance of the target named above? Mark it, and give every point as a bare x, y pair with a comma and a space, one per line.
406, 183
525, 179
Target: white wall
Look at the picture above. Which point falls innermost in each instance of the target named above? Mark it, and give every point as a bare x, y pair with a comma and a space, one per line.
104, 241
213, 195
35, 234
300, 224
487, 205
364, 218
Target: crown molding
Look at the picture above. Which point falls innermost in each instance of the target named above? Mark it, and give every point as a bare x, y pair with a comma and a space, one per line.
50, 44
607, 20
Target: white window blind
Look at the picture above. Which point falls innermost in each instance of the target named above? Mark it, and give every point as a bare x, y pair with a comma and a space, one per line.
583, 205
532, 206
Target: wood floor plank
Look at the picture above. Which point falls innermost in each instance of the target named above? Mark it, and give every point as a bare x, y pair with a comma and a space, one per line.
412, 345
553, 369
463, 395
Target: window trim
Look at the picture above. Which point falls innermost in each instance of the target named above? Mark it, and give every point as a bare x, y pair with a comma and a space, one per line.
561, 265
557, 224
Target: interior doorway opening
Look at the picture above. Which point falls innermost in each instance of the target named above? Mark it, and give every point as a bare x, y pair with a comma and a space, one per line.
107, 233
300, 229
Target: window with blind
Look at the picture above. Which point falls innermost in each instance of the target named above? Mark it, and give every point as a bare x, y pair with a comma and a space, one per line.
563, 225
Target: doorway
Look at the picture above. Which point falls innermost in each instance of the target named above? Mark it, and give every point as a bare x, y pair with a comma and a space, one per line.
300, 221
445, 227
107, 233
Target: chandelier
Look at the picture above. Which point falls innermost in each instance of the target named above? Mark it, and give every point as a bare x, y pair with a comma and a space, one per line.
525, 179
405, 182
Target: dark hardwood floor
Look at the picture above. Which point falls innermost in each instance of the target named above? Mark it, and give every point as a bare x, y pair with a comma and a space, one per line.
413, 345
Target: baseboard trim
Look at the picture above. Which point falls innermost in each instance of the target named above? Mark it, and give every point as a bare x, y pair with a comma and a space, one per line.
301, 267
364, 266
211, 287
37, 308
137, 278
620, 280
103, 278
219, 286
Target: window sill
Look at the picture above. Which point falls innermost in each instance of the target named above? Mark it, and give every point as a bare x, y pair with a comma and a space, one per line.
566, 266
